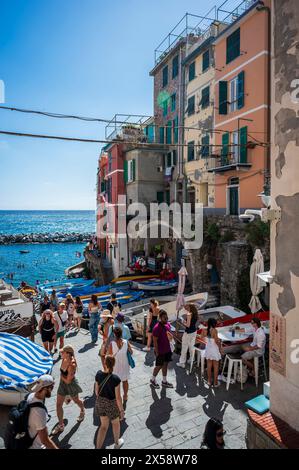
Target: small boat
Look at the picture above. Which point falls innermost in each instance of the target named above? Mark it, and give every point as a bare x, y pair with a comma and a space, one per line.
22, 363
123, 297
64, 285
24, 252
154, 285
133, 277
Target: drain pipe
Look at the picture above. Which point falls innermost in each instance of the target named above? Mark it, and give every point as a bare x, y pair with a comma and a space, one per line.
262, 7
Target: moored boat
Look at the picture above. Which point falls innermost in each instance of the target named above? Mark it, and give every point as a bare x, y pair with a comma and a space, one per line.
154, 285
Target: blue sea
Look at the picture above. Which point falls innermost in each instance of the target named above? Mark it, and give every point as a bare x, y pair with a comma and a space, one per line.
45, 261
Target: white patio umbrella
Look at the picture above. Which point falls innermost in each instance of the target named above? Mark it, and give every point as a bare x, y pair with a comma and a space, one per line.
256, 283
181, 288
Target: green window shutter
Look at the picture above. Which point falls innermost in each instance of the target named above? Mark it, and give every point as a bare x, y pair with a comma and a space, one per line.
165, 108
233, 47
165, 76
205, 60
243, 145
161, 135
173, 102
241, 89
160, 197
222, 97
126, 171
175, 66
191, 105
169, 160
225, 149
205, 97
205, 149
133, 169
167, 197
174, 157
168, 132
191, 71
190, 151
175, 130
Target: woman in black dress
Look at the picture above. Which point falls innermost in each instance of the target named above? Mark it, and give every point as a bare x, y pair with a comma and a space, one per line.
47, 328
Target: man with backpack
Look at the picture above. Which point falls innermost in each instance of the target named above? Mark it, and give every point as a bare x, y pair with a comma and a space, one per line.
27, 428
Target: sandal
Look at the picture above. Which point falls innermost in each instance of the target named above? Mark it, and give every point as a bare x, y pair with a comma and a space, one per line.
58, 429
81, 417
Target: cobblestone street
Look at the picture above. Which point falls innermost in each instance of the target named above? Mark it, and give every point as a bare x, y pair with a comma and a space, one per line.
155, 419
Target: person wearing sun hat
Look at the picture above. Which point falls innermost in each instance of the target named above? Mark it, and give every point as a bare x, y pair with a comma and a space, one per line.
38, 415
69, 386
104, 326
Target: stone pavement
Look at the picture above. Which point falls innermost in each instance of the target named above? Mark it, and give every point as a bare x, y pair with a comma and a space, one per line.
155, 419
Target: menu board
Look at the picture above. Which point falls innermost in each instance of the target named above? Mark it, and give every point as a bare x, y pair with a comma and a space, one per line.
277, 353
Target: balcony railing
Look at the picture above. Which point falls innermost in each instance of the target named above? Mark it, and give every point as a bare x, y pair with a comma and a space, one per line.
222, 163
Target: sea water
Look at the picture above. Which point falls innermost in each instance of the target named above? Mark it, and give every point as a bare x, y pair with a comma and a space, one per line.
44, 261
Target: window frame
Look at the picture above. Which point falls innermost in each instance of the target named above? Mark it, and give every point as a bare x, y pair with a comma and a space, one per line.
191, 146
205, 105
192, 68
175, 60
193, 107
165, 76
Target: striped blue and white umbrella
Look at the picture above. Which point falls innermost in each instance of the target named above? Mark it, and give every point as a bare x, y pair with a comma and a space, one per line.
22, 362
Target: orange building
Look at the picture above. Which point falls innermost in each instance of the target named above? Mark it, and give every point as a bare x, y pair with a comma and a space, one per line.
241, 158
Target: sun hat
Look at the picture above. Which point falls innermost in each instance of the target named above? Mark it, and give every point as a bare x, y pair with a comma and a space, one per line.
68, 349
106, 314
44, 381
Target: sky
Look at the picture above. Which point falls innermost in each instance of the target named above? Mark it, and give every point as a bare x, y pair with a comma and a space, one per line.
86, 57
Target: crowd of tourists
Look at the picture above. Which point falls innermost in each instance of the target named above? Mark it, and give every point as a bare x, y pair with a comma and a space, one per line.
116, 354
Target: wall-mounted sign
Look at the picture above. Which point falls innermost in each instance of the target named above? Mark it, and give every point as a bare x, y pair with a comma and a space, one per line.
277, 353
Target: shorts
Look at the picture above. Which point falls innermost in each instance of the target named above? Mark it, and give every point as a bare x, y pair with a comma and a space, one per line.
60, 334
105, 407
152, 324
163, 359
248, 355
48, 336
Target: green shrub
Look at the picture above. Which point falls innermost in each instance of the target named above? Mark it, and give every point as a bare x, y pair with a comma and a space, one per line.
258, 233
213, 233
228, 236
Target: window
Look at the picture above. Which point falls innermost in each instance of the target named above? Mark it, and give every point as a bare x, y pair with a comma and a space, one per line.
205, 97
233, 49
205, 60
191, 71
175, 124
191, 151
175, 66
109, 162
165, 107
161, 135
168, 132
150, 133
170, 159
235, 146
205, 149
243, 144
173, 102
222, 97
165, 76
233, 87
130, 171
236, 89
167, 197
191, 105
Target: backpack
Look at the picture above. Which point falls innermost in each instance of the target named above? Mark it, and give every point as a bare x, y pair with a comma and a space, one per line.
17, 434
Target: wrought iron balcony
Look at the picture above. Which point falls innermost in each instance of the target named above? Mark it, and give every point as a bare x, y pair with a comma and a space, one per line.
222, 163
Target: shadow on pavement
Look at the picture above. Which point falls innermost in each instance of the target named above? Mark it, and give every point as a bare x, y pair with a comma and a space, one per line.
160, 411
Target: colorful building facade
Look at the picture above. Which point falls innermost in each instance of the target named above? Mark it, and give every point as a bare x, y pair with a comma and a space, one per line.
242, 118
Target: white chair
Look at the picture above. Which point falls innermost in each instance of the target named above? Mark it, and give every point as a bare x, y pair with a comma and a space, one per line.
200, 357
256, 368
233, 363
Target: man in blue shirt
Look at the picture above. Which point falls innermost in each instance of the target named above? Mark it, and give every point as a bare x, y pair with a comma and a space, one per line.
119, 323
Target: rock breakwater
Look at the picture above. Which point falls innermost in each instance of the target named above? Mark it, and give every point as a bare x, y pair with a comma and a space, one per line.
37, 238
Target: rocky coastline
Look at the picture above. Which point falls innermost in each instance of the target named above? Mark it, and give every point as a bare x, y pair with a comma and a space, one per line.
39, 238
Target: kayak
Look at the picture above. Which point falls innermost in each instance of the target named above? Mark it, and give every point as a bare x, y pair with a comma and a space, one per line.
155, 285
133, 277
64, 285
123, 297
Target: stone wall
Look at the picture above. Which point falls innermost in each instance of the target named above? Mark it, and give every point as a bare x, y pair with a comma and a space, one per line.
257, 439
227, 248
